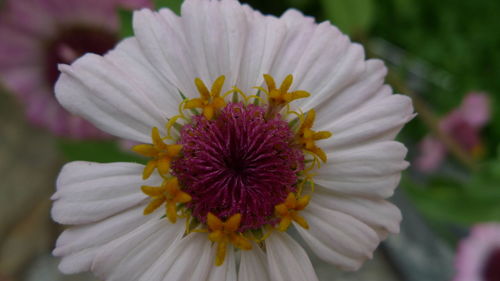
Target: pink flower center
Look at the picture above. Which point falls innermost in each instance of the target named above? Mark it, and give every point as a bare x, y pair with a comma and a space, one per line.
491, 271
238, 163
71, 43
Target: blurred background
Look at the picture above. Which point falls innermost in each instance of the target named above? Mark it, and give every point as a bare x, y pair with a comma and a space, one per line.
443, 54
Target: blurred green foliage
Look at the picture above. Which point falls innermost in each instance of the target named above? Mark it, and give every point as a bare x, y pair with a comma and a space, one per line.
96, 151
126, 26
174, 5
467, 202
460, 37
353, 17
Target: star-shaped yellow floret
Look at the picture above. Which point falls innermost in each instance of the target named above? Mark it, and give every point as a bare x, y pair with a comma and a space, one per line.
288, 211
209, 101
163, 154
170, 193
226, 232
307, 137
279, 97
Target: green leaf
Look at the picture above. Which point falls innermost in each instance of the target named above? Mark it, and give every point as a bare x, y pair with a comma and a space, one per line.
454, 204
406, 8
351, 16
126, 27
96, 151
174, 5
466, 202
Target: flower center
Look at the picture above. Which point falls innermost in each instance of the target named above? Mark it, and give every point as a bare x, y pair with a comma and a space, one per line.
238, 163
72, 42
491, 271
235, 169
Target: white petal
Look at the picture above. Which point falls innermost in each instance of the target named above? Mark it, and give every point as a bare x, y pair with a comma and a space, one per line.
77, 262
164, 97
338, 98
79, 245
297, 49
216, 31
338, 238
253, 266
287, 260
195, 16
325, 63
163, 42
266, 36
328, 65
377, 213
119, 93
294, 18
379, 120
212, 39
188, 259
128, 257
88, 192
321, 58
369, 170
224, 272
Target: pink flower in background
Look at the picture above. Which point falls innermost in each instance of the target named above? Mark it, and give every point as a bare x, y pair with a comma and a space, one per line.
478, 257
37, 35
463, 125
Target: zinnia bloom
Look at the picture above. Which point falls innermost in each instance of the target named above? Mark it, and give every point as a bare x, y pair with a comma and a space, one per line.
463, 125
478, 256
252, 124
37, 35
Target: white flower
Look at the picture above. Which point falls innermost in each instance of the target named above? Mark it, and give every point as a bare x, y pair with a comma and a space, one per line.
234, 164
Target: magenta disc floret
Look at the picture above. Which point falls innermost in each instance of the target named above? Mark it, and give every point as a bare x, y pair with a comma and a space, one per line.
238, 162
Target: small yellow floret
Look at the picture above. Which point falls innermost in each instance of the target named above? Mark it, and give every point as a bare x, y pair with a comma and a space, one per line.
289, 211
168, 192
307, 137
279, 97
210, 101
226, 232
163, 154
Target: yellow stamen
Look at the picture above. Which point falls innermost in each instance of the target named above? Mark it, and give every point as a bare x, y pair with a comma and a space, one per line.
163, 154
288, 211
209, 101
226, 232
168, 192
307, 137
280, 97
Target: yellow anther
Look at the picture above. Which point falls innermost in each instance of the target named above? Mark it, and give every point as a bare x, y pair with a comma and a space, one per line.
162, 154
209, 101
307, 137
168, 192
226, 232
288, 211
279, 97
